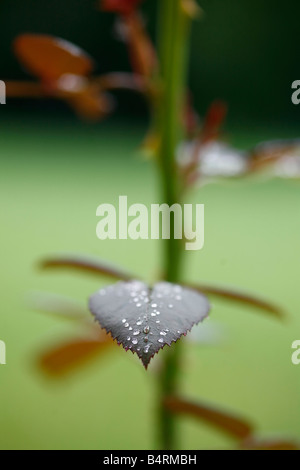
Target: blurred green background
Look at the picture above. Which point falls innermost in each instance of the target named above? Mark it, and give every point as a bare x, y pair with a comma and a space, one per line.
245, 53
55, 171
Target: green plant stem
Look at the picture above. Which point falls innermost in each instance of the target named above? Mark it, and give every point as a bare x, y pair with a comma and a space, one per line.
173, 42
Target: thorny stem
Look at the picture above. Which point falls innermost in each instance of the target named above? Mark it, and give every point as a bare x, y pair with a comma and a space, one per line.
173, 42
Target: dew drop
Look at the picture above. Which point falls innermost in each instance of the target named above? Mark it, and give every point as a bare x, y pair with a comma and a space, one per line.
134, 341
128, 339
157, 321
146, 339
163, 333
146, 330
160, 340
170, 305
146, 349
139, 323
154, 305
124, 320
136, 332
153, 314
126, 325
130, 328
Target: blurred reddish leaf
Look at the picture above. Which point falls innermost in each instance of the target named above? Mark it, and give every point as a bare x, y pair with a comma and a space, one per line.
271, 444
121, 80
63, 71
62, 359
123, 7
190, 117
209, 133
226, 422
266, 153
142, 53
214, 120
240, 298
90, 102
16, 89
84, 263
49, 57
